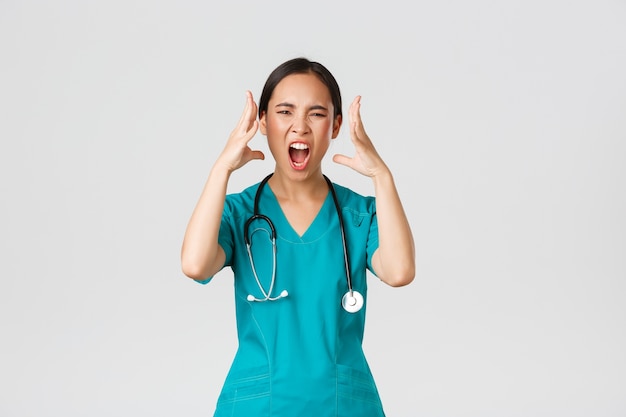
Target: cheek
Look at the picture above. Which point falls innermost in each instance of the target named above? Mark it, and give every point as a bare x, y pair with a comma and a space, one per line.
328, 126
274, 124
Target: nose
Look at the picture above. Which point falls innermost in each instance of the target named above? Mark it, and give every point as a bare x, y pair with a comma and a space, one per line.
300, 124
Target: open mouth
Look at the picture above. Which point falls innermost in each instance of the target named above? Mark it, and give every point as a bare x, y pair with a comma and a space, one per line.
299, 154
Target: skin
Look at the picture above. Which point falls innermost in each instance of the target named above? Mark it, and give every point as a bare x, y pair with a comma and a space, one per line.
300, 110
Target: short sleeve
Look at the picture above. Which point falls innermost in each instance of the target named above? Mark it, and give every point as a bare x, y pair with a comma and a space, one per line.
372, 240
224, 239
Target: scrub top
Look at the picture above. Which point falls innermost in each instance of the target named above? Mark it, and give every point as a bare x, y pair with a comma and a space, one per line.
300, 355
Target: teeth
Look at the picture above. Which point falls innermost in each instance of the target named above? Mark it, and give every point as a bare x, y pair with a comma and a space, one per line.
299, 146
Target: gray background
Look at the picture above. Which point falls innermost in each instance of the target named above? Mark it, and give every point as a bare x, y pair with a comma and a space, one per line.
503, 123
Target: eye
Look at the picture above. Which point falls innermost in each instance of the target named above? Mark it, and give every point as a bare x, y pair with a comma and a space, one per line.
283, 112
318, 115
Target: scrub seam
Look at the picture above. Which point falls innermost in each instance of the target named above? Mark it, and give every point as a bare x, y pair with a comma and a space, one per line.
267, 353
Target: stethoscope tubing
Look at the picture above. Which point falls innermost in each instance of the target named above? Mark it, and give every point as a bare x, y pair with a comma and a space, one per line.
346, 256
352, 301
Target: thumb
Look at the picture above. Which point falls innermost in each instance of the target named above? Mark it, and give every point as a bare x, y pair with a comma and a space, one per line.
342, 159
258, 155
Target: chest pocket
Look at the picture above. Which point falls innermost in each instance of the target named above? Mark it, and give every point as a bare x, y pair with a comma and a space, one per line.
357, 218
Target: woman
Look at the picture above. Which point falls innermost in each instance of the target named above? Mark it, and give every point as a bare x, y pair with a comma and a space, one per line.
299, 303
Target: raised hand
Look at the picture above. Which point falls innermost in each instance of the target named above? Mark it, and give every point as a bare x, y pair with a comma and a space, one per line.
366, 160
237, 153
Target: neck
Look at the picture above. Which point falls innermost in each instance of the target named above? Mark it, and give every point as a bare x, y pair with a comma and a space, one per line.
310, 187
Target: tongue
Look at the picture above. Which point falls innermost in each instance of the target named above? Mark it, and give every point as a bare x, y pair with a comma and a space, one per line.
298, 155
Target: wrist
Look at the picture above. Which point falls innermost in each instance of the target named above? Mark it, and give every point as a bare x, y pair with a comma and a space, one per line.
221, 171
382, 176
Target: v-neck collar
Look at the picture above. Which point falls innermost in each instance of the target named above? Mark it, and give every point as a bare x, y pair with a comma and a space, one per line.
318, 227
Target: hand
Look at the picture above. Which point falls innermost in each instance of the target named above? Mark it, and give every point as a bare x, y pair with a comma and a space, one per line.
237, 153
366, 160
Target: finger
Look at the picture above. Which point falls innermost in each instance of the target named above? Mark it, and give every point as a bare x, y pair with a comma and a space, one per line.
353, 132
245, 109
249, 134
253, 106
251, 110
355, 108
356, 126
248, 115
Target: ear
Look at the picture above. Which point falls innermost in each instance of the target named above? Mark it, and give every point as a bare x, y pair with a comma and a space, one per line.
263, 123
336, 126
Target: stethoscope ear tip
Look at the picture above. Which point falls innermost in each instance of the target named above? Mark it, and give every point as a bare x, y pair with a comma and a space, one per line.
250, 297
284, 293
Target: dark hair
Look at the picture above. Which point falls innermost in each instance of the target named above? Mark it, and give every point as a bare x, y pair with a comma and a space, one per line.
300, 66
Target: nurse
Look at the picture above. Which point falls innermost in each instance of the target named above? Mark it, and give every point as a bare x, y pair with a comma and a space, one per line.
298, 244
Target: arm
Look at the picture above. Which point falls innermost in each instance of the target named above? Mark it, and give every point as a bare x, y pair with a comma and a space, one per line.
201, 255
394, 260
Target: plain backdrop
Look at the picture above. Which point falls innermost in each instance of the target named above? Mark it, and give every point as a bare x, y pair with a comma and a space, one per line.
503, 123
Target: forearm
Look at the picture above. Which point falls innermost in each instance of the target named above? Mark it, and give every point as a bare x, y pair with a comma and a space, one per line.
201, 255
394, 261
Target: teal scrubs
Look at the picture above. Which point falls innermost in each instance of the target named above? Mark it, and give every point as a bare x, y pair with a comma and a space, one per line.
300, 355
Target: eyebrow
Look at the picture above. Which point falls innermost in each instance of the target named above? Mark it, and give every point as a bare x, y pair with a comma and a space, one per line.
292, 106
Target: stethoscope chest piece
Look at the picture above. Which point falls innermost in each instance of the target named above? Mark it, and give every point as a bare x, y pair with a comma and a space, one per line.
352, 301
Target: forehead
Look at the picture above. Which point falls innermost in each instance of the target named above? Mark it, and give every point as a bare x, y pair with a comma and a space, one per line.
301, 88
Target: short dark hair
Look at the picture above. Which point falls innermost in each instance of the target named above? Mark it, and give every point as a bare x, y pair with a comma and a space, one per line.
301, 66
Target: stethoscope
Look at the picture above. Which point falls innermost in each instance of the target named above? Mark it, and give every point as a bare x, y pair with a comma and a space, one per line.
352, 301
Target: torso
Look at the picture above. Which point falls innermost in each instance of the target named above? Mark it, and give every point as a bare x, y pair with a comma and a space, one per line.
300, 355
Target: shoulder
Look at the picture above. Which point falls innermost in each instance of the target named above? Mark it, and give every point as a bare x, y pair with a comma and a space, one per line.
350, 199
241, 203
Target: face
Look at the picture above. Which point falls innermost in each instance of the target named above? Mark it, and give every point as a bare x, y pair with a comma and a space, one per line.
299, 124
